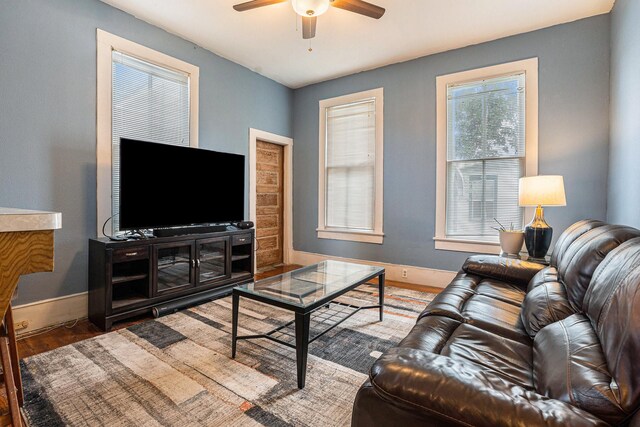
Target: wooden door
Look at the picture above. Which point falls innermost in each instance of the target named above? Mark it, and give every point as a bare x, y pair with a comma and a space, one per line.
269, 204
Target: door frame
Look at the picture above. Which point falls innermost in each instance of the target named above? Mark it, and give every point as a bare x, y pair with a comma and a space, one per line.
256, 135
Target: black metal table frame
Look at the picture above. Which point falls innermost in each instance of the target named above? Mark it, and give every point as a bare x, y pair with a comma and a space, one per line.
302, 320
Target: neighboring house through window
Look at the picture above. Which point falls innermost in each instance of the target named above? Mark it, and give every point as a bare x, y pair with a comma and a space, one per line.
145, 95
487, 140
350, 178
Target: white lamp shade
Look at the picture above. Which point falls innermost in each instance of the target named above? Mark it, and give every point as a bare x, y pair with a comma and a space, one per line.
310, 7
544, 190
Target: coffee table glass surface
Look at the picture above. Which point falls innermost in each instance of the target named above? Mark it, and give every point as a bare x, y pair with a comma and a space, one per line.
309, 285
307, 291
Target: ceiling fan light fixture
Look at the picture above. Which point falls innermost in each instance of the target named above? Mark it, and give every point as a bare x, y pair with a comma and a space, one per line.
310, 7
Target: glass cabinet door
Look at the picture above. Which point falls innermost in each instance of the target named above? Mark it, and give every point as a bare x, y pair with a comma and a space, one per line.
211, 261
175, 264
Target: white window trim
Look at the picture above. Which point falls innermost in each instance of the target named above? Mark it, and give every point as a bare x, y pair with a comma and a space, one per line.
323, 231
530, 67
106, 43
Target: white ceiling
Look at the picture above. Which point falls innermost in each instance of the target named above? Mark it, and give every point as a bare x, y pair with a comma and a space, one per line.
268, 40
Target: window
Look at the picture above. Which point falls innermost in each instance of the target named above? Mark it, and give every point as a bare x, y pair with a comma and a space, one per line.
487, 140
142, 94
350, 181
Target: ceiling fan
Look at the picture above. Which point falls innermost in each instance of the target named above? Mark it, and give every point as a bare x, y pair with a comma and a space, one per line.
311, 9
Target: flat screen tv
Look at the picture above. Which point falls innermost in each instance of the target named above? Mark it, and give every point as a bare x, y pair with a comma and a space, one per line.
165, 186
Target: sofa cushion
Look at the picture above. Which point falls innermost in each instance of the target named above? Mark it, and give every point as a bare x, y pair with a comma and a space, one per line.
501, 291
467, 343
543, 305
569, 235
430, 333
548, 274
510, 359
453, 392
569, 365
462, 302
577, 266
612, 305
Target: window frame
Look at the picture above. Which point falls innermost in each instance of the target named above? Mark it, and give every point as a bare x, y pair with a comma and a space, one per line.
105, 44
323, 232
530, 68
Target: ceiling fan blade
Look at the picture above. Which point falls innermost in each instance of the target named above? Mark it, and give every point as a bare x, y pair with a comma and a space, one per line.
309, 26
255, 3
361, 7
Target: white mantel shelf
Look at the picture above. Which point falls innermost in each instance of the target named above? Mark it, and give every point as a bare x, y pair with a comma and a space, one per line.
12, 219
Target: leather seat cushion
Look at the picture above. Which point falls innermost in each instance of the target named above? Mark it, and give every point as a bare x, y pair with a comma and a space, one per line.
430, 333
501, 291
544, 305
458, 393
465, 343
509, 359
569, 365
462, 301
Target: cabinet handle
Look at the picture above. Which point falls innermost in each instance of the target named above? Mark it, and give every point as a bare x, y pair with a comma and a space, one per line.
131, 254
198, 263
193, 263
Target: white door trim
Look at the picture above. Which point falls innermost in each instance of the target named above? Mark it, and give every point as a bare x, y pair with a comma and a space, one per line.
287, 191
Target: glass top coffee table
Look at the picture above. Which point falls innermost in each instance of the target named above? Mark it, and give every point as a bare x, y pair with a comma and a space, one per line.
308, 291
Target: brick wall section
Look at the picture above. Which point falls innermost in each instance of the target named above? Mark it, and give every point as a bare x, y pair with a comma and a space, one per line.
269, 203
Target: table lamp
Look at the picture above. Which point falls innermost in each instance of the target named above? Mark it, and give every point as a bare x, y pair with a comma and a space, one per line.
538, 191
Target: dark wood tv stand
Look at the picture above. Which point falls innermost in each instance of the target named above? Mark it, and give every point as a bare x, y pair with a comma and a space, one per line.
131, 278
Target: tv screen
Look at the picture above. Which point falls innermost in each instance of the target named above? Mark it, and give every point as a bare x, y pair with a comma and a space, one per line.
165, 185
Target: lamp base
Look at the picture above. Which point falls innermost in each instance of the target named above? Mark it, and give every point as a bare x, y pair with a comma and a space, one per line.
537, 235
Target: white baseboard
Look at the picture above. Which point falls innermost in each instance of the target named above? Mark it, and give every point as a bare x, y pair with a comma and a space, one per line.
49, 312
416, 275
54, 311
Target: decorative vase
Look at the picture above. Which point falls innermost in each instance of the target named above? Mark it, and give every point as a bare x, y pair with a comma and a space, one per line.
511, 242
538, 236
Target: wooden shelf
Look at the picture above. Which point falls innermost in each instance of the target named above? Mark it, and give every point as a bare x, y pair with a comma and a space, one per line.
130, 278
239, 257
205, 258
237, 275
118, 303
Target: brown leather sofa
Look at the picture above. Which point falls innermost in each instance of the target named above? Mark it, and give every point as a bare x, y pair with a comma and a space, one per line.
515, 343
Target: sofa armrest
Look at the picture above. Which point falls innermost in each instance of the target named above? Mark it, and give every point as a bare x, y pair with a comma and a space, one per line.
459, 393
505, 269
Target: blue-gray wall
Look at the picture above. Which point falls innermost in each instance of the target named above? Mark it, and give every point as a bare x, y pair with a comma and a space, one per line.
573, 137
48, 116
624, 155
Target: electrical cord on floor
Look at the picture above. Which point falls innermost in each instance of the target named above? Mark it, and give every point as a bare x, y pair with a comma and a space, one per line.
69, 325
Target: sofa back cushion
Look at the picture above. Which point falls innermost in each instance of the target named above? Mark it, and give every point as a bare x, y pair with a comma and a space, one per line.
612, 305
569, 235
543, 305
547, 274
569, 365
582, 257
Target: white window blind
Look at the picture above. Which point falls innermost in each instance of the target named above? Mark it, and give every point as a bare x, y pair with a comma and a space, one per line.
149, 103
350, 166
485, 156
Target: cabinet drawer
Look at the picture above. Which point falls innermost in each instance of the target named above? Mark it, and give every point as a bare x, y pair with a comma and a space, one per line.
130, 254
241, 239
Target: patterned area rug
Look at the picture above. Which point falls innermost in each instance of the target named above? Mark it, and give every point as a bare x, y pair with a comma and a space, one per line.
177, 370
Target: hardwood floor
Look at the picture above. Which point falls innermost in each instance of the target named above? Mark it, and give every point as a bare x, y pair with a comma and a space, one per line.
83, 329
